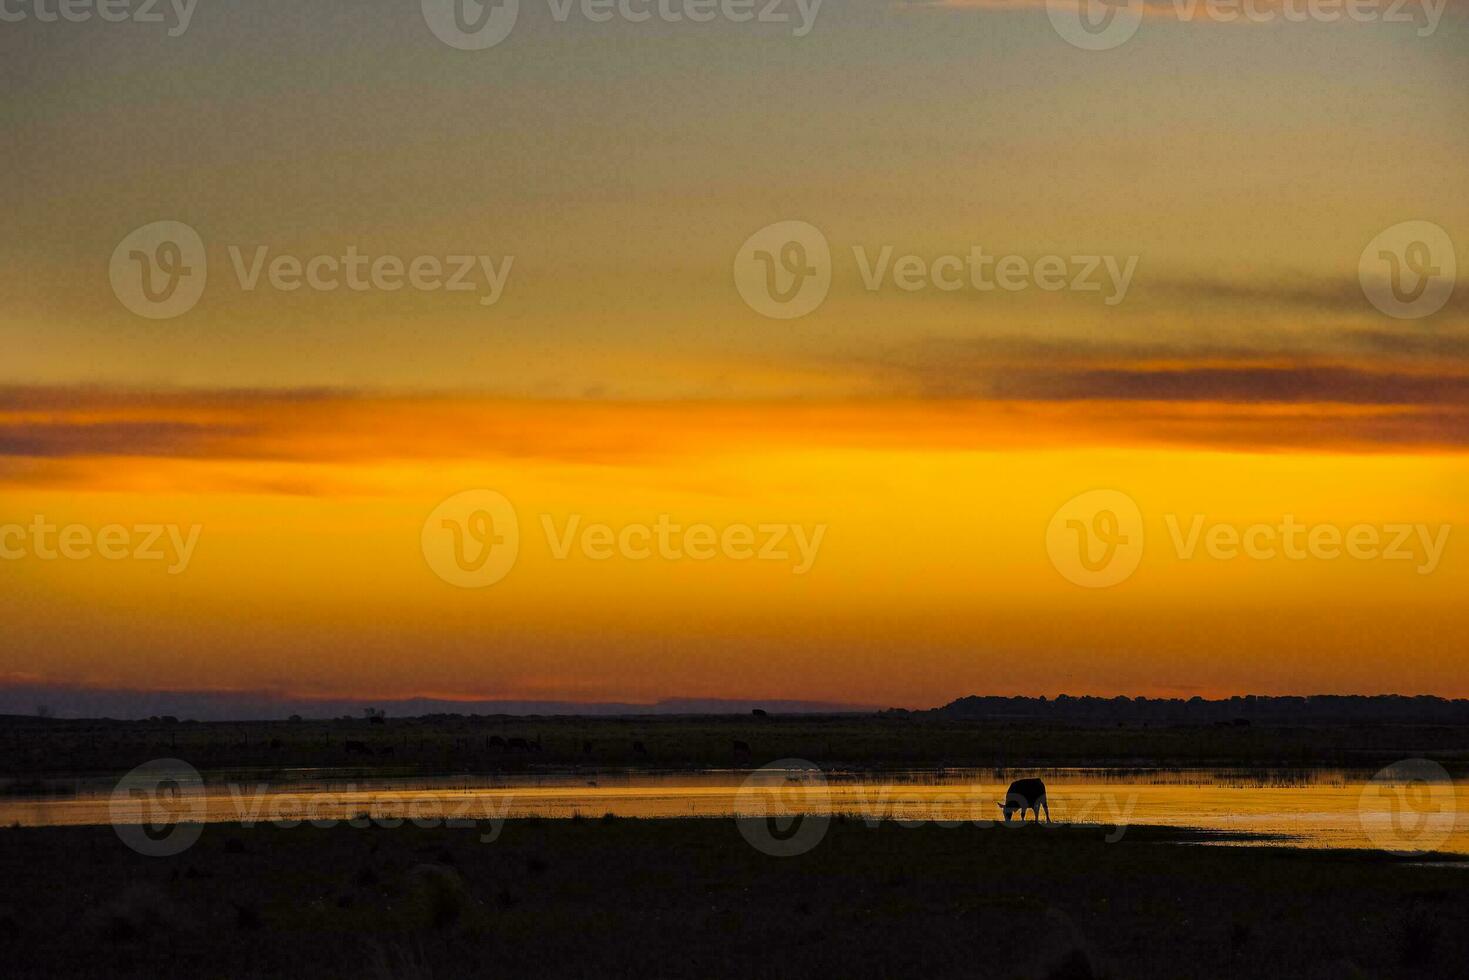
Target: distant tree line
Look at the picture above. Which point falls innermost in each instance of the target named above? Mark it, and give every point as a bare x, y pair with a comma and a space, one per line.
1247, 709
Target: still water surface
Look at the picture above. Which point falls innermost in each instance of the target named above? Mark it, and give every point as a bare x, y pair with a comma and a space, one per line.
1316, 809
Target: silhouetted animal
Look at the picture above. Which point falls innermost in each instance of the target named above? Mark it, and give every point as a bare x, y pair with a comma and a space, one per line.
586, 747
741, 751
1025, 794
357, 748
496, 742
639, 748
519, 743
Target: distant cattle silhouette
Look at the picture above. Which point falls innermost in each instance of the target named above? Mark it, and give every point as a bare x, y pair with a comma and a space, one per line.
639, 748
355, 747
1025, 794
741, 751
586, 747
519, 743
496, 742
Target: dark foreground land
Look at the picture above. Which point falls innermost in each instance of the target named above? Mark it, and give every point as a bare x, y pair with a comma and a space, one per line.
690, 898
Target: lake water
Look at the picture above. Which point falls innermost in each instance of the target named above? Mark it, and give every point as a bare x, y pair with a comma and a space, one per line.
1405, 810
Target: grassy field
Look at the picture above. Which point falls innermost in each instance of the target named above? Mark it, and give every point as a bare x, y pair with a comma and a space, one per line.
35, 749
599, 898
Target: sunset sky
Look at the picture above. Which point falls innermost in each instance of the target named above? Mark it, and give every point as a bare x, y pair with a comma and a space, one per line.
1243, 375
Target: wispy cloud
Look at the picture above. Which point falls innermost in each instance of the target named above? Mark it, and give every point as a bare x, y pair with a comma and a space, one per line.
948, 396
1186, 11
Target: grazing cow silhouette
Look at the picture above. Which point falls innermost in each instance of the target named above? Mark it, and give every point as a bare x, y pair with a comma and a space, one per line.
496, 742
355, 747
1025, 794
639, 748
741, 751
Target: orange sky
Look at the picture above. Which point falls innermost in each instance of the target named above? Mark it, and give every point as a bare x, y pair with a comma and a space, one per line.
926, 444
932, 577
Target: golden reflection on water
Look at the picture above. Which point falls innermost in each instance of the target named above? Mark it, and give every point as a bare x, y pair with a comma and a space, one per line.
1313, 809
